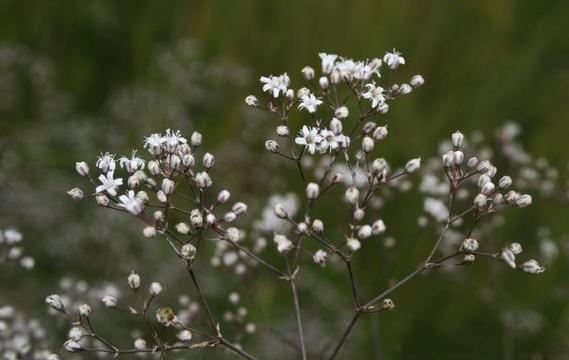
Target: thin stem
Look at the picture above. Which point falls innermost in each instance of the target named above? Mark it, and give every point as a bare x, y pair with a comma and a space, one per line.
297, 311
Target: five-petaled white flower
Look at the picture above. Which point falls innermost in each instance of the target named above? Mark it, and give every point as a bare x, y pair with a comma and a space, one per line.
375, 94
172, 139
133, 164
131, 203
327, 62
106, 162
310, 138
154, 144
329, 140
393, 59
310, 103
275, 84
109, 184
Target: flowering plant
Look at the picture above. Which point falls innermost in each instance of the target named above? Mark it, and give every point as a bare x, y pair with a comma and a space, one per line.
340, 130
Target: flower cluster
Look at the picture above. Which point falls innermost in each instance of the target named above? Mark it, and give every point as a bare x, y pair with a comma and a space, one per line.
11, 249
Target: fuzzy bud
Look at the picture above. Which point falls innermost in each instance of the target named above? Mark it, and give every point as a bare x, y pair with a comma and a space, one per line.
342, 112
413, 165
188, 251
352, 195
417, 81
307, 72
312, 191
82, 168
272, 146
251, 101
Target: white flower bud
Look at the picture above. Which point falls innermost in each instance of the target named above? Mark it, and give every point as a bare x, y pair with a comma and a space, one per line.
109, 301
353, 244
155, 288
470, 245
223, 196
229, 216
283, 130
378, 165
324, 83
413, 165
458, 157
302, 228
203, 180
208, 160
183, 228
483, 179
196, 218
154, 167
196, 138
251, 101
103, 200
505, 182
312, 191
342, 112
140, 344
480, 201
73, 346
320, 257
367, 144
532, 267
472, 162
290, 94
53, 357
284, 245
488, 188
272, 146
239, 208
188, 251
337, 178
512, 196
523, 201
336, 126
302, 92
134, 281
508, 257
162, 197
82, 168
232, 234
448, 159
416, 81
405, 89
307, 73
188, 160
55, 302
387, 304
378, 227
364, 232
85, 310
317, 226
210, 219
168, 186
76, 194
457, 139
149, 231
280, 212
358, 214
352, 195
380, 133
516, 248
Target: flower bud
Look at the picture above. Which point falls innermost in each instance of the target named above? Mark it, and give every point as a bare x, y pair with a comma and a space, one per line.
73, 346
387, 304
203, 180
307, 73
458, 157
210, 219
223, 196
168, 186
302, 228
312, 191
320, 257
85, 310
82, 168
229, 216
336, 126
353, 244
149, 231
317, 226
184, 335
272, 146
324, 83
134, 281
413, 165
232, 234
239, 208
378, 227
416, 81
523, 201
289, 94
251, 101
155, 288
337, 178
188, 160
283, 130
472, 162
516, 248
468, 259
165, 316
470, 245
380, 133
364, 232
196, 218
55, 302
505, 182
208, 160
183, 228
405, 89
488, 188
480, 201
358, 214
280, 212
196, 138
76, 194
188, 251
352, 195
109, 301
457, 139
532, 267
342, 112
367, 144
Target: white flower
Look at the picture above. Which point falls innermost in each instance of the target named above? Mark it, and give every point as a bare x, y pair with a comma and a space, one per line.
320, 257
457, 139
523, 201
108, 184
307, 72
55, 302
364, 232
82, 168
131, 203
509, 258
85, 310
232, 234
172, 139
532, 267
196, 138
310, 103
353, 244
106, 162
140, 344
133, 163
155, 288
251, 101
375, 94
76, 194
310, 138
393, 59
327, 62
109, 301
154, 144
352, 195
329, 140
168, 186
184, 335
275, 84
416, 81
378, 227
284, 245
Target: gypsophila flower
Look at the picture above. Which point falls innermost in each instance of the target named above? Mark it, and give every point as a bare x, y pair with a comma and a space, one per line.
109, 301
509, 258
131, 203
532, 267
312, 191
251, 101
272, 146
154, 144
155, 288
378, 227
374, 94
184, 335
188, 251
203, 180
307, 73
82, 168
284, 245
232, 234
76, 194
275, 85
417, 81
106, 162
310, 138
393, 59
73, 346
327, 62
413, 165
320, 257
183, 228
140, 344
515, 248
85, 310
133, 163
353, 244
470, 245
55, 302
309, 103
134, 281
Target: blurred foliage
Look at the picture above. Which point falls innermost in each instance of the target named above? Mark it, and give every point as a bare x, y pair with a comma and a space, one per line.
80, 64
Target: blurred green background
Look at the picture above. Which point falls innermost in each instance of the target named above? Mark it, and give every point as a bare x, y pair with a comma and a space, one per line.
79, 77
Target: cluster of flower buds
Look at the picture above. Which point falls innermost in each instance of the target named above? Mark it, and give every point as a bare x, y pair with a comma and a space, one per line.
509, 253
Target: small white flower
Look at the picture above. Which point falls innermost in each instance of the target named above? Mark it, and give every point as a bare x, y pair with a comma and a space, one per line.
364, 232
307, 72
516, 248
353, 244
310, 138
413, 165
82, 168
85, 310
73, 346
55, 302
109, 301
203, 180
172, 139
132, 164
208, 160
188, 251
272, 146
457, 139
317, 226
196, 139
352, 195
378, 227
523, 201
367, 144
320, 257
532, 267
76, 194
393, 59
154, 144
509, 258
149, 231
327, 62
342, 112
251, 101
416, 81
312, 191
310, 103
168, 186
275, 84
184, 335
232, 234
108, 184
375, 94
106, 162
131, 203
183, 228
140, 344
284, 245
